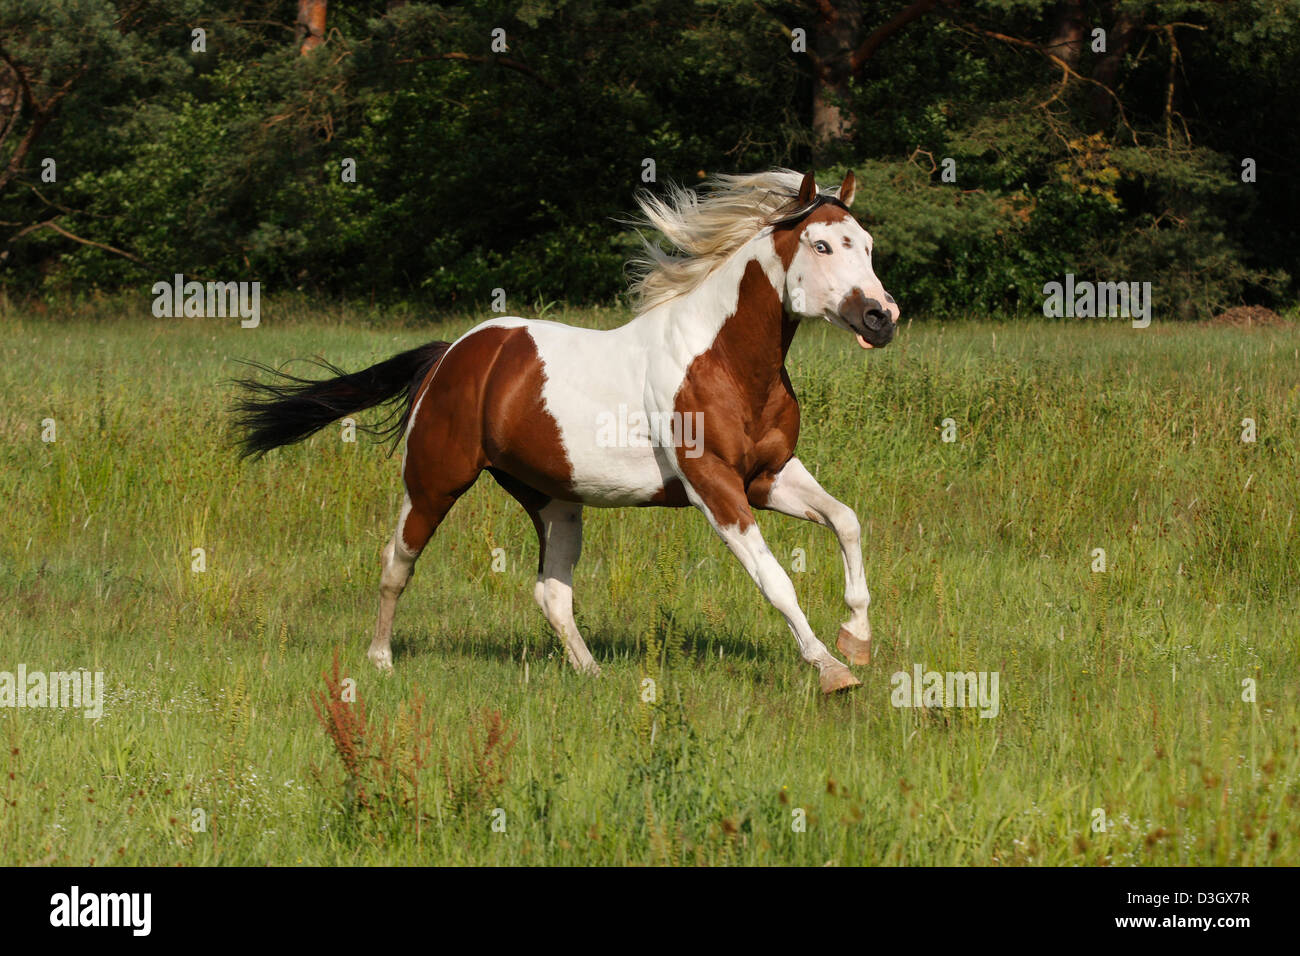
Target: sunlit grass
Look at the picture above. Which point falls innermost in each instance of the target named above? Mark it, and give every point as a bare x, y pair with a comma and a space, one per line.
1120, 691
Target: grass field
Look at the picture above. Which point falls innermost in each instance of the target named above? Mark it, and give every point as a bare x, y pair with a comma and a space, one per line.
1126, 733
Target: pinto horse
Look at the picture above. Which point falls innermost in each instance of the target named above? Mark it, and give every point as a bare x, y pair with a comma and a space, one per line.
529, 401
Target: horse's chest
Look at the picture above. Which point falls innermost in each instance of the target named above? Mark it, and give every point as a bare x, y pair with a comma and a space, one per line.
772, 432
751, 423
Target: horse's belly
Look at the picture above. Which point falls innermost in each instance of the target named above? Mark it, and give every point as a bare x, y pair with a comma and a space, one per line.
613, 456
614, 477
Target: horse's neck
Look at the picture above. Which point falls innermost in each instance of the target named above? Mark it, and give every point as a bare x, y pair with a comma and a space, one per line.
754, 336
737, 314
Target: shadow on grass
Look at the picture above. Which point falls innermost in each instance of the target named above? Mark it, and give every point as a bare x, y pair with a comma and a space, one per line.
607, 645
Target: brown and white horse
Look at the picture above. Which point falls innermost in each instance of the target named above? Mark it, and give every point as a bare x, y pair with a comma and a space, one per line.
697, 382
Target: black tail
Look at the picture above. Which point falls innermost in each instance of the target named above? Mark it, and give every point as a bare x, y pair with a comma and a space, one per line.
290, 408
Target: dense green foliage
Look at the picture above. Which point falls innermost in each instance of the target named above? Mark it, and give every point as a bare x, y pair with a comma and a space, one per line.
508, 169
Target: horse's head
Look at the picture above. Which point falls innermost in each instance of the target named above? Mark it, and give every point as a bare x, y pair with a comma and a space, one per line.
828, 271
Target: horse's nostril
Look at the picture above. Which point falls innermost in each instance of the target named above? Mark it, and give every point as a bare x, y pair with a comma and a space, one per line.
877, 318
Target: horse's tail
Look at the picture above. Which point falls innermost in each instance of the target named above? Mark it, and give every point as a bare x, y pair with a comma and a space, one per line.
288, 408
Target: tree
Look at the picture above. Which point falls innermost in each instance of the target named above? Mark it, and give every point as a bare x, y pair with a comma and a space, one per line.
310, 24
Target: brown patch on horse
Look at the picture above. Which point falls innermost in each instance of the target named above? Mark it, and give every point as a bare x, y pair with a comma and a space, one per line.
520, 437
785, 238
671, 495
481, 407
740, 387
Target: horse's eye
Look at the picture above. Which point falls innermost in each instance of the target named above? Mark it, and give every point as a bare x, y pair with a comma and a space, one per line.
823, 247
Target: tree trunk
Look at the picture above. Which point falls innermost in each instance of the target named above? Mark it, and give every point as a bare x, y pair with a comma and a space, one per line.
1067, 36
1106, 72
311, 24
834, 34
838, 57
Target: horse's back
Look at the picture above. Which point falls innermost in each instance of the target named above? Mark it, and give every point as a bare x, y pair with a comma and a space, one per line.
558, 407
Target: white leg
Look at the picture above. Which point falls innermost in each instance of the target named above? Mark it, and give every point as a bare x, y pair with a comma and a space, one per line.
747, 544
796, 492
561, 543
398, 561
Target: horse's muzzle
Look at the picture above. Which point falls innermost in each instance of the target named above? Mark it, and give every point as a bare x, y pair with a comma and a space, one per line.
868, 319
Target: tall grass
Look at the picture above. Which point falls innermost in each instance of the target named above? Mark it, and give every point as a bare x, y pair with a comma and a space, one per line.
1122, 692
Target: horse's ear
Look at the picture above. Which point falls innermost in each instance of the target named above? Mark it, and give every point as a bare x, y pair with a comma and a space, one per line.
847, 188
808, 189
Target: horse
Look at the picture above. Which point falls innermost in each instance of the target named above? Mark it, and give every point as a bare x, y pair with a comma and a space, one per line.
707, 414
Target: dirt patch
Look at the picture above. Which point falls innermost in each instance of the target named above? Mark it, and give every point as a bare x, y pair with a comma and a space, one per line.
1249, 317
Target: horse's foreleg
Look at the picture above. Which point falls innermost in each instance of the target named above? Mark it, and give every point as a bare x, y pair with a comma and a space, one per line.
795, 492
720, 494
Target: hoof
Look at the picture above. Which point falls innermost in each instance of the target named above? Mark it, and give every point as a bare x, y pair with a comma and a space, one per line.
857, 651
383, 660
836, 678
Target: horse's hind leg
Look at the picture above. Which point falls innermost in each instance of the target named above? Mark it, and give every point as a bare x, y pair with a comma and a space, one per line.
560, 539
559, 543
397, 560
416, 524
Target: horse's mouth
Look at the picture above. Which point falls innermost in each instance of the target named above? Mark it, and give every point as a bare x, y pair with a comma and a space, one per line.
873, 335
867, 319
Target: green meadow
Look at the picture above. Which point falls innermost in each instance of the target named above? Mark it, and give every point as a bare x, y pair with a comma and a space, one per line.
1148, 712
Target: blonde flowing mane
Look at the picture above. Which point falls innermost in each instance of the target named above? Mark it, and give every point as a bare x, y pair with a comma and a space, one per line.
704, 229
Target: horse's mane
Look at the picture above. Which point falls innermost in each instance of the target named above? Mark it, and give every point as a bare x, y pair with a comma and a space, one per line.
704, 230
